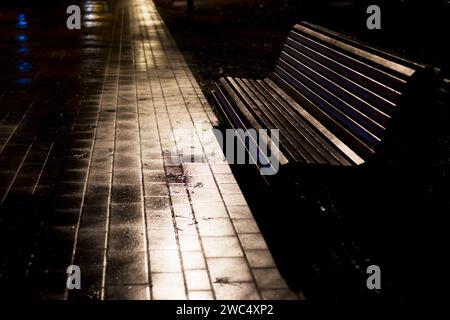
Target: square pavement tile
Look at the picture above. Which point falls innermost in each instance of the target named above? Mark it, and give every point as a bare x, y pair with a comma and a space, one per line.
165, 261
98, 188
234, 200
260, 258
127, 149
240, 212
129, 126
156, 190
230, 188
150, 146
245, 226
180, 200
177, 189
91, 239
102, 152
128, 292
168, 286
174, 170
157, 204
158, 221
182, 211
252, 241
210, 210
201, 295
205, 195
127, 162
90, 260
185, 223
221, 247
215, 227
225, 178
192, 169
126, 213
100, 177
103, 163
193, 260
126, 193
132, 137
172, 160
127, 176
197, 280
269, 278
94, 216
96, 199
152, 155
126, 238
152, 164
189, 242
204, 181
279, 294
154, 176
162, 239
126, 268
236, 291
229, 269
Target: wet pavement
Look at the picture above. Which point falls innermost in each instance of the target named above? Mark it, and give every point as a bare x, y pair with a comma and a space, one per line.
108, 162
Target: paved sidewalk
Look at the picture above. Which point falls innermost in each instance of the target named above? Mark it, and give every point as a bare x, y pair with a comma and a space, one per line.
101, 186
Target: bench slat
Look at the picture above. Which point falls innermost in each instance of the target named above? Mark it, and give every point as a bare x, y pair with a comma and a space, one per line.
297, 142
303, 87
257, 116
381, 76
383, 106
329, 122
399, 69
357, 77
299, 151
353, 107
301, 124
229, 112
317, 124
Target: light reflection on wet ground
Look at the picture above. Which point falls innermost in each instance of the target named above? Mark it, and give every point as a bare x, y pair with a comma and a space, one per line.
23, 66
92, 127
44, 70
34, 39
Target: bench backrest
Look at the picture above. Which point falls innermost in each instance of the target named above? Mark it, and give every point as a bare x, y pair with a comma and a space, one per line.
350, 90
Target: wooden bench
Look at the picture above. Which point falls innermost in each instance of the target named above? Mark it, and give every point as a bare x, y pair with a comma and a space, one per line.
330, 97
357, 123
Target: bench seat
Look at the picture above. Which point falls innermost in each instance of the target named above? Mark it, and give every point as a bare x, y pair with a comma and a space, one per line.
331, 98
